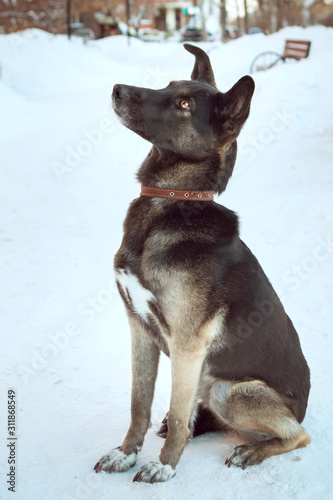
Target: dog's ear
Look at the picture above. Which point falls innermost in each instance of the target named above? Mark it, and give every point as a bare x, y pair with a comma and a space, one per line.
233, 107
202, 71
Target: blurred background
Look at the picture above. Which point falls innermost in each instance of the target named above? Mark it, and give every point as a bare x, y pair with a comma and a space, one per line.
163, 19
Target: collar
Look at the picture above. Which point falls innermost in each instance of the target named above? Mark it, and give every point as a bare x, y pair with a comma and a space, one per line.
176, 194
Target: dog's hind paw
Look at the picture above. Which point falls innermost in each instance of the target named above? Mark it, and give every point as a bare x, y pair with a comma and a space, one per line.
244, 456
154, 472
163, 431
115, 461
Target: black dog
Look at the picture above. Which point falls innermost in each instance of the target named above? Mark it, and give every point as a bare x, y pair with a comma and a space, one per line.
193, 289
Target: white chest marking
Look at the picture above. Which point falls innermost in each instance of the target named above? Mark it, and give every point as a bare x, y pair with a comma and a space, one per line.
139, 296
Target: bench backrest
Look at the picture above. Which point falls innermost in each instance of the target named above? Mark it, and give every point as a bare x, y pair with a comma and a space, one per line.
297, 49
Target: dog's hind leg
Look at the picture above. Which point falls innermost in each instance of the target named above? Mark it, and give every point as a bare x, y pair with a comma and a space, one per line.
261, 414
204, 421
145, 359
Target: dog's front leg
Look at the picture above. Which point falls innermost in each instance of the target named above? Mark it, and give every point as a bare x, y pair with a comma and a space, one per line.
186, 368
145, 358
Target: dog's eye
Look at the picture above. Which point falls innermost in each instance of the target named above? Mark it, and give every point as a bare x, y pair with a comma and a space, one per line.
185, 104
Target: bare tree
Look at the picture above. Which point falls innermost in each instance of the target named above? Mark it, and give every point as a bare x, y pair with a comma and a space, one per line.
16, 15
238, 16
246, 18
50, 15
223, 17
273, 15
278, 7
135, 11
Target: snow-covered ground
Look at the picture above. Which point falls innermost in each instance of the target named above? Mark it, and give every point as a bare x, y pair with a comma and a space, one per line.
67, 176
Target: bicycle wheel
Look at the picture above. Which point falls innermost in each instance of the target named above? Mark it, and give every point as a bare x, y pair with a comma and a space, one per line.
265, 60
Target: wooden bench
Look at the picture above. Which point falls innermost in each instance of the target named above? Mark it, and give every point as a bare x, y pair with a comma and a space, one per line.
296, 49
293, 49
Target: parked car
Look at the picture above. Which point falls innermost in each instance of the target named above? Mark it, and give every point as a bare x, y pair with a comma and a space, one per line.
192, 35
85, 33
232, 32
150, 35
195, 35
254, 31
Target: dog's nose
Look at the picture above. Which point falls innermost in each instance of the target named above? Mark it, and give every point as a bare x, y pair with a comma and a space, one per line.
120, 92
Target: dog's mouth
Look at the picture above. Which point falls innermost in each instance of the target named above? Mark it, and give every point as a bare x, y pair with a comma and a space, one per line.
115, 109
122, 114
130, 120
120, 107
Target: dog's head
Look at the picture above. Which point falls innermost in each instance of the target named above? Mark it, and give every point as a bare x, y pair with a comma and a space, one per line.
182, 117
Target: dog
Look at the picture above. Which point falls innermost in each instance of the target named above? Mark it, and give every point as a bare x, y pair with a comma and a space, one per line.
193, 290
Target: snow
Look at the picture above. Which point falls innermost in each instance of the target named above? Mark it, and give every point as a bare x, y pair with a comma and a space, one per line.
67, 177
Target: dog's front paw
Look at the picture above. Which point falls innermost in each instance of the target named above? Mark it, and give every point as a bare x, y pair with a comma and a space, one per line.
245, 455
115, 461
154, 472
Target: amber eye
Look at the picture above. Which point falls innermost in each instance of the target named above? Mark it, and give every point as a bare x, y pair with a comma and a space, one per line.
184, 104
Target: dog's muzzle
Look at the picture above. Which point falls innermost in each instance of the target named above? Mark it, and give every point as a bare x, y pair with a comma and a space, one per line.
120, 92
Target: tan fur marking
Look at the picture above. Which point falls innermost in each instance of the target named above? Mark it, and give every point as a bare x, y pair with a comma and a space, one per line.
181, 300
187, 353
186, 369
253, 406
212, 328
178, 176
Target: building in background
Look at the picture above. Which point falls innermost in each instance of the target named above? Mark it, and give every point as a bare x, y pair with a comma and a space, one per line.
171, 16
109, 17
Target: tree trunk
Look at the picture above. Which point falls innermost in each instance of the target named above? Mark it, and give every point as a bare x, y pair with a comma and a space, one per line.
246, 19
278, 15
203, 22
223, 18
128, 17
238, 17
69, 19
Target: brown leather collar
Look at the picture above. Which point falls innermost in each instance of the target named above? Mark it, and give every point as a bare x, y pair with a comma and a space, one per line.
176, 194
